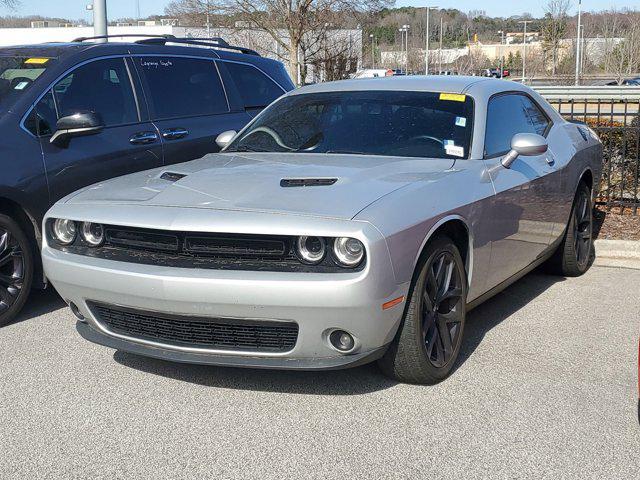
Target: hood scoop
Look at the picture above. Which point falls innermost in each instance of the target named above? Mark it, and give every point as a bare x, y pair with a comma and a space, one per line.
172, 176
307, 182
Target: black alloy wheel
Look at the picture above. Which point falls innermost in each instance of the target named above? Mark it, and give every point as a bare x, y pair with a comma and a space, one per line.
428, 341
16, 269
582, 228
575, 254
441, 310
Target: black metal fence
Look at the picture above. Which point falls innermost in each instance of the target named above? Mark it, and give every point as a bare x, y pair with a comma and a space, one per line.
617, 123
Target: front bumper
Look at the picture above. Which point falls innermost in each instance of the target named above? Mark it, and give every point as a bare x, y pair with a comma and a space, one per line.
317, 302
275, 363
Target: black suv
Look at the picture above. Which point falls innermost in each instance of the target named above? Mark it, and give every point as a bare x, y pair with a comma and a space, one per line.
77, 113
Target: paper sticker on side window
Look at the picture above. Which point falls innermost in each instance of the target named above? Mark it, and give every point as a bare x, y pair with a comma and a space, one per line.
454, 150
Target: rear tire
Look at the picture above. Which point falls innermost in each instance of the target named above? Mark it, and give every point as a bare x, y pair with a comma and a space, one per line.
428, 342
16, 269
574, 255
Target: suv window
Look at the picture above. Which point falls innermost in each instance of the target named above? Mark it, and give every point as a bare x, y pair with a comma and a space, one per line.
42, 119
101, 86
256, 89
183, 87
508, 115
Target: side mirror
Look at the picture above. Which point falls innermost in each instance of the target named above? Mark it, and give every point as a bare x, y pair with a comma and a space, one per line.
225, 138
76, 125
527, 145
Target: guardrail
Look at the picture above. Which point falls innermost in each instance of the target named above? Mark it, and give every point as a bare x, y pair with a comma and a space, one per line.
595, 93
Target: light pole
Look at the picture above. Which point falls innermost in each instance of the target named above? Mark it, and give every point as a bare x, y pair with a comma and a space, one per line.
373, 55
404, 32
524, 49
426, 50
440, 48
501, 32
578, 42
100, 19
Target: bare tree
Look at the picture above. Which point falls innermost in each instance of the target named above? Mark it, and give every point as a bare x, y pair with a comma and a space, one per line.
297, 18
554, 28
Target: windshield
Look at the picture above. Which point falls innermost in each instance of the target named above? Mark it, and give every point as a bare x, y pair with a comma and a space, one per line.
17, 74
407, 124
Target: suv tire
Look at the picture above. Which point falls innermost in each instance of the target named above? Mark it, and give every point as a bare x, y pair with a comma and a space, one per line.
16, 269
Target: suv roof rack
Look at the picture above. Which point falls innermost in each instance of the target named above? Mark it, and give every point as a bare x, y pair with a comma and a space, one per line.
123, 35
214, 42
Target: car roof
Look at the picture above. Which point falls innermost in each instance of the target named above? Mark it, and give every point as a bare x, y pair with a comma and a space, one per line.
420, 83
70, 49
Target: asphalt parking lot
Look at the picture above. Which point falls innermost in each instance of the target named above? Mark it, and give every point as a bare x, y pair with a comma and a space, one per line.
546, 388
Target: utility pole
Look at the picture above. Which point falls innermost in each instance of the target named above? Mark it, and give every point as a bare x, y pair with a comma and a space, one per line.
426, 51
524, 49
578, 41
440, 48
100, 19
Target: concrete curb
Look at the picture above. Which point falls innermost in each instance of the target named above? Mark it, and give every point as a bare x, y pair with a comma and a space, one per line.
618, 253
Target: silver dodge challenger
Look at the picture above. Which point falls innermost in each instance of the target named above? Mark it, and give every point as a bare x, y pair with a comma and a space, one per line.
351, 221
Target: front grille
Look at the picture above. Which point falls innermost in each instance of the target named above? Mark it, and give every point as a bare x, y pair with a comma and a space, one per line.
199, 332
217, 251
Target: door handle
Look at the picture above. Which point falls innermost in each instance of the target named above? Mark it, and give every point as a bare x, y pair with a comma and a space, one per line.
175, 133
143, 138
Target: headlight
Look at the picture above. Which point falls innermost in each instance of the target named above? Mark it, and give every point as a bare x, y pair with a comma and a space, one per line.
311, 249
92, 233
64, 231
348, 251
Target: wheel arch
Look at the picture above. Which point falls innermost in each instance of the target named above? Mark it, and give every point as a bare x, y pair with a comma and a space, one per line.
31, 228
455, 227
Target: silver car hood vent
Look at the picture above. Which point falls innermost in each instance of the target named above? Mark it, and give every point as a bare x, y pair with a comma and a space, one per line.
172, 176
307, 182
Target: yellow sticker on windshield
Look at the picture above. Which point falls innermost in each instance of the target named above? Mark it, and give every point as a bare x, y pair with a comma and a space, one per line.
36, 61
453, 97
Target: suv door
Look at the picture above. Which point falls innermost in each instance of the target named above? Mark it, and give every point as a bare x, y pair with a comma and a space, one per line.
126, 144
522, 220
188, 104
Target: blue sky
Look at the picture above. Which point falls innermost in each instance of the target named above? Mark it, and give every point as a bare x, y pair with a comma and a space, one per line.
75, 9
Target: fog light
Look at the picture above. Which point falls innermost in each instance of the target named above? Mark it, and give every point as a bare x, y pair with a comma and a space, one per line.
76, 311
342, 340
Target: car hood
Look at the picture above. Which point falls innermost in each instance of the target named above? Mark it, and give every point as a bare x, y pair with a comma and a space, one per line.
253, 182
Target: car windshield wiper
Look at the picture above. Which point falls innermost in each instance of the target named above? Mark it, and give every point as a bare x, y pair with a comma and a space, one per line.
246, 148
347, 152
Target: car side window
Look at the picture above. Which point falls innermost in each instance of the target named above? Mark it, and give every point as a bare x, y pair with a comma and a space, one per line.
508, 115
182, 87
101, 86
256, 89
42, 119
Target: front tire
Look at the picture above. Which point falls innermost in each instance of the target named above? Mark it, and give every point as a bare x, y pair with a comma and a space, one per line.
16, 269
574, 255
428, 342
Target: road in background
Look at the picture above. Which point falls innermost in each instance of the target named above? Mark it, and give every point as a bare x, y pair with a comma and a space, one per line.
546, 388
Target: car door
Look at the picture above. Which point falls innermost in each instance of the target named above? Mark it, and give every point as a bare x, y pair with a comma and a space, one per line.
126, 144
188, 104
522, 220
